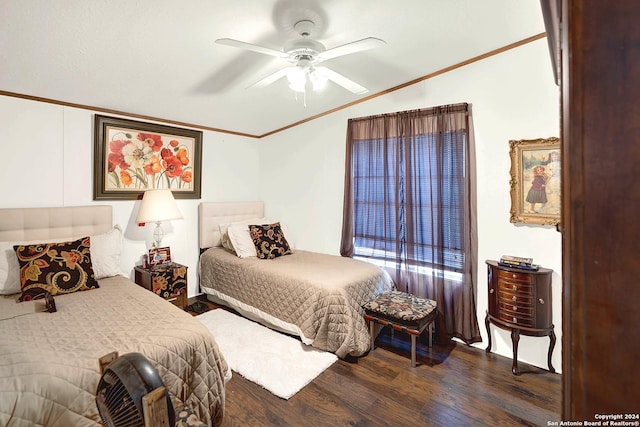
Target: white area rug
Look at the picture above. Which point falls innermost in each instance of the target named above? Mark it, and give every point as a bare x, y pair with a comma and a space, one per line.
279, 363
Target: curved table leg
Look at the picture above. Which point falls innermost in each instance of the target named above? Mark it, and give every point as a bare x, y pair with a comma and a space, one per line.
552, 344
515, 337
486, 324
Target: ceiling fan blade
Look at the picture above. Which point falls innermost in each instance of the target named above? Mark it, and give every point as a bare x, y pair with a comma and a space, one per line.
353, 47
270, 78
341, 80
252, 47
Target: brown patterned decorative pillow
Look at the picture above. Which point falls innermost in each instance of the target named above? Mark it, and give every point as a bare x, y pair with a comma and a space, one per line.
57, 268
269, 240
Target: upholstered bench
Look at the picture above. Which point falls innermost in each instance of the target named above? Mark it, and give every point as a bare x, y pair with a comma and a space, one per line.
402, 312
186, 418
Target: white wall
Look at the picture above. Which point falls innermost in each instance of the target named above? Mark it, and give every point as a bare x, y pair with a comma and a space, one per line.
48, 161
513, 96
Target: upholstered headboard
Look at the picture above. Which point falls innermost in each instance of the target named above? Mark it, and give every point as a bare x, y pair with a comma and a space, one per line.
212, 214
18, 224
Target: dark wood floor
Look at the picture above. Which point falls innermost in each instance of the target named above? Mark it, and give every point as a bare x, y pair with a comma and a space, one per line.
453, 385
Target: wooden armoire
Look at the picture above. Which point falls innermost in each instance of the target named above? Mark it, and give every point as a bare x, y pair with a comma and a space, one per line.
598, 46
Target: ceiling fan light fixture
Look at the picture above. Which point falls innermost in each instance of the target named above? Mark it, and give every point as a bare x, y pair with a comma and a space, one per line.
318, 80
297, 78
297, 87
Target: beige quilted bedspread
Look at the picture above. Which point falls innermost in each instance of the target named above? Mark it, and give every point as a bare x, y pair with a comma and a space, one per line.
321, 294
49, 361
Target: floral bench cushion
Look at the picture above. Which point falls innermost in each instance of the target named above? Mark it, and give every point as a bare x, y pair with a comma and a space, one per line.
186, 418
400, 306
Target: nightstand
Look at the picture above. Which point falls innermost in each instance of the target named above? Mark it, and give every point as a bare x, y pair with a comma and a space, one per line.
166, 280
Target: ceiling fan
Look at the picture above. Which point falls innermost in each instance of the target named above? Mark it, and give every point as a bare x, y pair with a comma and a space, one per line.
305, 54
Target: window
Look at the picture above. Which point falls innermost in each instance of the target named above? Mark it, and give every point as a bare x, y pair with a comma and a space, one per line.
409, 206
421, 183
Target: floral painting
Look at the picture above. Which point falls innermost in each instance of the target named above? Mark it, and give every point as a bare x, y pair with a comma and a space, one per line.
132, 157
535, 181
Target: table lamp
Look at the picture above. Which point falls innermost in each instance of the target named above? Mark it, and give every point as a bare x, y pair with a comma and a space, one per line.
158, 205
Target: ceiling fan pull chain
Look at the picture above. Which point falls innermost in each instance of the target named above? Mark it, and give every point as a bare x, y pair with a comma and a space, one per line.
304, 97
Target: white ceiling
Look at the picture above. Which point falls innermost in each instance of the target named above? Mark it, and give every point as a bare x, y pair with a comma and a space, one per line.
157, 58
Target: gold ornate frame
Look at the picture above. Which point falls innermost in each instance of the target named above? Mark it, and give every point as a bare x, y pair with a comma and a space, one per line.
527, 197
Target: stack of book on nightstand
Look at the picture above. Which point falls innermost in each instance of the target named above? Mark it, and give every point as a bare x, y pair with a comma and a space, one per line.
518, 262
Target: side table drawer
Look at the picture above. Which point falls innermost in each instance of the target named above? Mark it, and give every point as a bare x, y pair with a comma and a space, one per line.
515, 276
515, 287
507, 297
519, 309
516, 319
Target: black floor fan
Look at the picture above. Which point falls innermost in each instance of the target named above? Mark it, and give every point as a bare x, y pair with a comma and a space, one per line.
124, 383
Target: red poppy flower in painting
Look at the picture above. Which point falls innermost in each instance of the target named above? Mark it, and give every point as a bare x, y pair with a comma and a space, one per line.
172, 166
187, 176
153, 141
116, 158
166, 153
115, 146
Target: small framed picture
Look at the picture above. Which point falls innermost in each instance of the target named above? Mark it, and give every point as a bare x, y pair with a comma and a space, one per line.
158, 256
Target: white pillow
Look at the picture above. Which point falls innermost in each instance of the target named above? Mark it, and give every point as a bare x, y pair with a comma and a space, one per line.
224, 236
224, 227
105, 253
9, 268
105, 258
241, 241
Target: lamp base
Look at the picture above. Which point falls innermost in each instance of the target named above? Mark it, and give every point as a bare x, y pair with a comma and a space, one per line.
158, 234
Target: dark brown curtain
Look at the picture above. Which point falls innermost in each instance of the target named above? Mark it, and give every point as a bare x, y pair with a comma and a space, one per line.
410, 206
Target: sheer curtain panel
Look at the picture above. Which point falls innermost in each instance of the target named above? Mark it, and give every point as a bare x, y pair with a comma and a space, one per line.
410, 207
